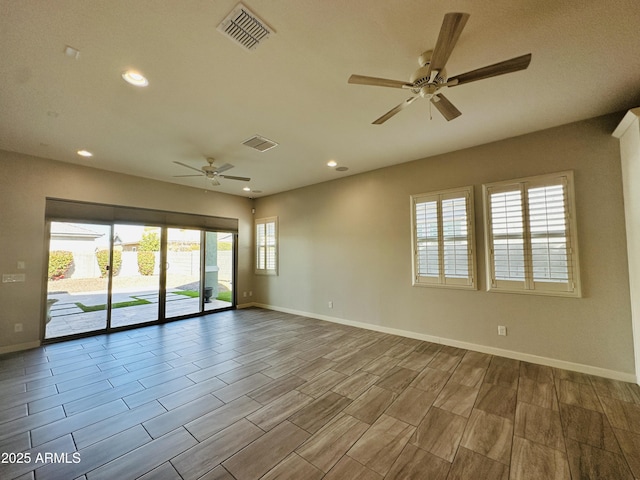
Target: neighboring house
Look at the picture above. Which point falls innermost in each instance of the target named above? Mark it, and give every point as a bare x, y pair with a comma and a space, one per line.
82, 242
125, 245
73, 237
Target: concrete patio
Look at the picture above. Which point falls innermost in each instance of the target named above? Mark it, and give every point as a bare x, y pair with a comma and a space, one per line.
68, 319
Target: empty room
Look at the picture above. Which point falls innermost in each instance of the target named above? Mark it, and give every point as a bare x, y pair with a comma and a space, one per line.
278, 239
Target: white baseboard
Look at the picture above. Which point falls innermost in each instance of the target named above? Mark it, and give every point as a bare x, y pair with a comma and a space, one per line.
245, 305
527, 357
19, 347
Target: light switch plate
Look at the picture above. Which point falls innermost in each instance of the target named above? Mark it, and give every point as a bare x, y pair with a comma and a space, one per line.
13, 277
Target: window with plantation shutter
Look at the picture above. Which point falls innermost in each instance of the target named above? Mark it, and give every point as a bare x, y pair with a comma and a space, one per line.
267, 246
443, 245
531, 236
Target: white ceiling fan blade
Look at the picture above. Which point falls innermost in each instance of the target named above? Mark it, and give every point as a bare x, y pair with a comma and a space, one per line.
188, 166
231, 177
452, 27
445, 107
393, 111
178, 176
378, 82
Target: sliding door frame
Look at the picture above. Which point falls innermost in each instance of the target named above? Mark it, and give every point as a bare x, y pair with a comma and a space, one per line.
162, 293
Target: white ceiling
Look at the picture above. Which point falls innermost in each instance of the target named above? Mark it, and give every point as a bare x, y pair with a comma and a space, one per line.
207, 95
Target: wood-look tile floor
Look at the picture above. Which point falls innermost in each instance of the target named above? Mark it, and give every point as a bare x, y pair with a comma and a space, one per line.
256, 394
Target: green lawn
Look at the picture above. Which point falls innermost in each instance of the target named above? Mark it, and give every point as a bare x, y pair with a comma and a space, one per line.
223, 296
97, 308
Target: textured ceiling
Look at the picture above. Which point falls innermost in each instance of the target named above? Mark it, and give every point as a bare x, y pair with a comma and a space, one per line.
207, 95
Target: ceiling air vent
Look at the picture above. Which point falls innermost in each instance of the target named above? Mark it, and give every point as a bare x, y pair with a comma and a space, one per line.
260, 143
245, 28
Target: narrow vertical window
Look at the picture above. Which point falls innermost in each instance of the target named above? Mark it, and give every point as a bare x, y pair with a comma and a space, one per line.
443, 238
267, 246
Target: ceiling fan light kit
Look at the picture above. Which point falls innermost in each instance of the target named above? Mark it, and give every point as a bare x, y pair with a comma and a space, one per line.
427, 80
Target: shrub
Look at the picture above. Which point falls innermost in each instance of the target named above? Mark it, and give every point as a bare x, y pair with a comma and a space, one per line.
59, 263
146, 262
150, 242
224, 246
103, 260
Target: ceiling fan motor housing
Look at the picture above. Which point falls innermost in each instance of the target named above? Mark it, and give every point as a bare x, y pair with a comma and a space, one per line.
422, 76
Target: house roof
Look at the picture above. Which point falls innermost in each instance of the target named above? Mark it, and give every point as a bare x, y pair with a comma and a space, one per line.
207, 95
63, 229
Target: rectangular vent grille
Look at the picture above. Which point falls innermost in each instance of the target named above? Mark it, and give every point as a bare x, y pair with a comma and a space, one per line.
244, 27
260, 143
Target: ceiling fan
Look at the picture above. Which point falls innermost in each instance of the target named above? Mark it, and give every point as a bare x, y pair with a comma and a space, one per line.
432, 76
212, 172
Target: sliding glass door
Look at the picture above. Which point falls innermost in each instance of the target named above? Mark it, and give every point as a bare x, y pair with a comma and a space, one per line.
199, 271
218, 276
109, 276
77, 278
135, 284
183, 272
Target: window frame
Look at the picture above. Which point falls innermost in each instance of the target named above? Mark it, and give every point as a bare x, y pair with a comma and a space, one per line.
529, 285
264, 269
442, 280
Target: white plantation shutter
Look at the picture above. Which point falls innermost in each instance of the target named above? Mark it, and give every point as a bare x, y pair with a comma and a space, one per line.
270, 241
426, 218
443, 238
455, 235
260, 245
267, 245
532, 246
548, 226
507, 225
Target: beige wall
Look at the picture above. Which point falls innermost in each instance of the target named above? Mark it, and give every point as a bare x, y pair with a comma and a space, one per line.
26, 181
349, 241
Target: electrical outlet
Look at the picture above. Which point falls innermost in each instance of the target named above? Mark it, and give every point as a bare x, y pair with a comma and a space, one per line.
502, 330
244, 294
17, 327
251, 293
330, 304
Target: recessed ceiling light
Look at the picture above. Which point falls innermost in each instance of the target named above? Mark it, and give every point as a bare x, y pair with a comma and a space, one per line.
332, 163
246, 189
85, 153
342, 169
135, 78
